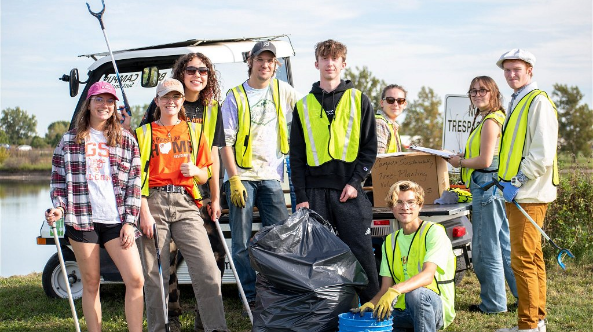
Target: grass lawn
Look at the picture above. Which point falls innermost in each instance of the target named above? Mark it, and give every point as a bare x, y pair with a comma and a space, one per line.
24, 306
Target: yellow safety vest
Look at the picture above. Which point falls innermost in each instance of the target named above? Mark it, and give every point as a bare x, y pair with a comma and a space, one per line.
394, 140
209, 118
144, 135
243, 146
339, 139
443, 285
472, 146
513, 139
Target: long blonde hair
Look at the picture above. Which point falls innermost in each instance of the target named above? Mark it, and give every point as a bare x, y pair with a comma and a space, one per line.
112, 130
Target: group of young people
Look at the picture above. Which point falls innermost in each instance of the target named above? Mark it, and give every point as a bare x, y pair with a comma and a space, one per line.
104, 178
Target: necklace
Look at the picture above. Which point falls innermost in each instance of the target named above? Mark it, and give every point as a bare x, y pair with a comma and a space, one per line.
168, 130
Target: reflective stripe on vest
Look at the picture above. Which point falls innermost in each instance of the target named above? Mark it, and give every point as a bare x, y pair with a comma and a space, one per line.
394, 140
327, 141
144, 135
472, 146
513, 139
209, 118
243, 146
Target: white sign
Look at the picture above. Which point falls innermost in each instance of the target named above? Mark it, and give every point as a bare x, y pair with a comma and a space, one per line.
457, 122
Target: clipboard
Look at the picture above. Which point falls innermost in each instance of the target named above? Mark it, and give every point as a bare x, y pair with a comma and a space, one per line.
439, 153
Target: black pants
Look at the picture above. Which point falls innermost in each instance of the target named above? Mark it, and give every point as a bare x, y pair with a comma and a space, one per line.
353, 220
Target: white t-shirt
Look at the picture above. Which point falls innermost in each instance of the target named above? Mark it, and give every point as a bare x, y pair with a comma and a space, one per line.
268, 160
98, 175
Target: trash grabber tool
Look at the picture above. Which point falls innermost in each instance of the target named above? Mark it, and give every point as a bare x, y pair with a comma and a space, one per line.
99, 16
158, 259
228, 254
562, 251
65, 274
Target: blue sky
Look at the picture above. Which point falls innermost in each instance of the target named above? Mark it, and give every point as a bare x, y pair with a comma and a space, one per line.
438, 44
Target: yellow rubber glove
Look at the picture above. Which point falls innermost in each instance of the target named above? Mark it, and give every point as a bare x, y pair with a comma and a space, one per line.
385, 304
238, 192
364, 308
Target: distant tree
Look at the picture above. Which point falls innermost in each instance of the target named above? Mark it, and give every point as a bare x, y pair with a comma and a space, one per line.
38, 142
363, 80
424, 119
137, 115
3, 137
575, 122
18, 125
55, 131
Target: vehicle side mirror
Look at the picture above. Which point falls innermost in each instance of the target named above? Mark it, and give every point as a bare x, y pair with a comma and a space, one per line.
150, 77
73, 81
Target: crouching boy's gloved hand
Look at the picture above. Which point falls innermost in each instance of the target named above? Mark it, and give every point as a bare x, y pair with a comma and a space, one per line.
385, 304
364, 308
238, 191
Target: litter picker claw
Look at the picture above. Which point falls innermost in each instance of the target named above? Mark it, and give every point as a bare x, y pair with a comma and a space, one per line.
99, 16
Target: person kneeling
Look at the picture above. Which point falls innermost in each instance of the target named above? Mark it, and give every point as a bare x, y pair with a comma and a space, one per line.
417, 267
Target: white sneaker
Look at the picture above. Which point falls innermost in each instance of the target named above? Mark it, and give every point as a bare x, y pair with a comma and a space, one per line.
541, 327
516, 329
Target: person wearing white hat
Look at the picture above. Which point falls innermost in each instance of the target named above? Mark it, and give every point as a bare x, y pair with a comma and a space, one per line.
528, 173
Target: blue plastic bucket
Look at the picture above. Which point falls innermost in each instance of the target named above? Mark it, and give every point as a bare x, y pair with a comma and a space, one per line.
353, 322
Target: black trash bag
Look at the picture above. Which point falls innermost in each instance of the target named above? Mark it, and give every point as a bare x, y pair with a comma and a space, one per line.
306, 275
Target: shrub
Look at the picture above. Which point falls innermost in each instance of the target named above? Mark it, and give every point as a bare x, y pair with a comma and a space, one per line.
4, 154
569, 220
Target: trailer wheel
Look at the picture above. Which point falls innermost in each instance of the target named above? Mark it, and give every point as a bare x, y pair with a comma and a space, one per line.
461, 269
52, 278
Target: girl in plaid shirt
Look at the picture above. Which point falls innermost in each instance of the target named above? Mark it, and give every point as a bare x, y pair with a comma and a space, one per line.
95, 186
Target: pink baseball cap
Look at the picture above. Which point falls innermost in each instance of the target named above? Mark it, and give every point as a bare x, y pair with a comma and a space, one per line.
101, 87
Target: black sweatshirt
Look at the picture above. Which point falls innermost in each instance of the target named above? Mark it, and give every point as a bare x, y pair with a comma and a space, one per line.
334, 174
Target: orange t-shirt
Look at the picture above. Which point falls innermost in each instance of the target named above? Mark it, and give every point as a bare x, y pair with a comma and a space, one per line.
168, 153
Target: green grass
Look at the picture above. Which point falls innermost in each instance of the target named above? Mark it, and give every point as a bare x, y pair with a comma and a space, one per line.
24, 306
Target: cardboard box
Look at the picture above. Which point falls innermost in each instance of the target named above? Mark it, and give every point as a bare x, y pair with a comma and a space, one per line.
427, 170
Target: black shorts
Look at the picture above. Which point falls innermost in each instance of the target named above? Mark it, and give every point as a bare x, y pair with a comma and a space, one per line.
101, 234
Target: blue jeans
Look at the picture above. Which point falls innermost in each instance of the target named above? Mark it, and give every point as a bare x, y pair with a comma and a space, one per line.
293, 202
491, 248
267, 195
423, 313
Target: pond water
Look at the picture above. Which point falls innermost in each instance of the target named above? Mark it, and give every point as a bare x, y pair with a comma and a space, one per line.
22, 206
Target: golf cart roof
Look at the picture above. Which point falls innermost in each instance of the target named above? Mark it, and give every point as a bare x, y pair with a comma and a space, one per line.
219, 50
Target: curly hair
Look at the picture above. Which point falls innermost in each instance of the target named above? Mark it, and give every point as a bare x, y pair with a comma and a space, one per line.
400, 186
112, 130
212, 89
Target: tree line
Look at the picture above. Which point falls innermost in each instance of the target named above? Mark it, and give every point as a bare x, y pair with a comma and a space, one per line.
423, 119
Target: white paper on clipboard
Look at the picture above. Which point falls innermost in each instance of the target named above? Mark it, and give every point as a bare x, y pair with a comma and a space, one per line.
439, 153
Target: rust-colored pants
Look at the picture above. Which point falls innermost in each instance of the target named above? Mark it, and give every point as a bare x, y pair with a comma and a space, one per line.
527, 261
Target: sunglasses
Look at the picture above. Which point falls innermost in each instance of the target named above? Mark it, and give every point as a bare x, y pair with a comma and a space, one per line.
391, 100
193, 70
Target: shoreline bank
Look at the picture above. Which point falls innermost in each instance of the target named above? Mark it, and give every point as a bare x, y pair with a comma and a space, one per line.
25, 175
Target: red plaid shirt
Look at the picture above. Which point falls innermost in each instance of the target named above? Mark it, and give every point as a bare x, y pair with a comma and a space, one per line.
69, 188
